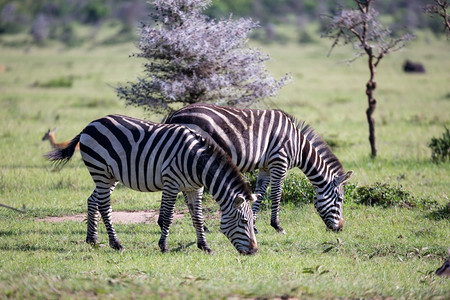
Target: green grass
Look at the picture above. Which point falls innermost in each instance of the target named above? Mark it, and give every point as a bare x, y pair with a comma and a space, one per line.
382, 252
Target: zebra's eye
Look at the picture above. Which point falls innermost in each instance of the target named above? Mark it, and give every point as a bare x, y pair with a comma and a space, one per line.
244, 220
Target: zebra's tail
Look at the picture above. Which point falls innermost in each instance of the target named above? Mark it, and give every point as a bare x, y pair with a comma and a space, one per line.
62, 156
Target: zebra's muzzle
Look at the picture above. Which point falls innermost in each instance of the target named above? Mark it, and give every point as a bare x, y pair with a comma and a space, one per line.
249, 251
337, 227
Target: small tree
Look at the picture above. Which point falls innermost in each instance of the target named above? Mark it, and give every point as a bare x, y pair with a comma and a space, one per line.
361, 27
439, 8
193, 59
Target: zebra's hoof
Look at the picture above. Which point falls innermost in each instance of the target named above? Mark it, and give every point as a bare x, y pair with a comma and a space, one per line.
277, 227
115, 244
205, 248
92, 241
163, 246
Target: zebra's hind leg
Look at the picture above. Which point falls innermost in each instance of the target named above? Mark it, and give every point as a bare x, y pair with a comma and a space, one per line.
103, 196
194, 200
260, 190
92, 221
169, 196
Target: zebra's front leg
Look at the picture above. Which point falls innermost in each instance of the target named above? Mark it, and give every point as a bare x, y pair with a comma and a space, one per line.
169, 196
260, 190
194, 201
276, 184
191, 210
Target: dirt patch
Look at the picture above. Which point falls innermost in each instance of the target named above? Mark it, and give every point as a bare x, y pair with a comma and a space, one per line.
123, 217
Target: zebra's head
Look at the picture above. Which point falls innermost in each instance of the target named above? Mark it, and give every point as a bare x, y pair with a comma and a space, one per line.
238, 223
329, 200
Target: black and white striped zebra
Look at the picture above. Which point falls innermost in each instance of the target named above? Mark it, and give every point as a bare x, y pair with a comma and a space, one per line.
149, 157
273, 142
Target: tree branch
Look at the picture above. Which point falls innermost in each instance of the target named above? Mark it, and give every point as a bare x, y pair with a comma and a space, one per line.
9, 207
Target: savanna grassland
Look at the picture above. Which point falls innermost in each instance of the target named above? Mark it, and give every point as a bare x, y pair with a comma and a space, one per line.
382, 252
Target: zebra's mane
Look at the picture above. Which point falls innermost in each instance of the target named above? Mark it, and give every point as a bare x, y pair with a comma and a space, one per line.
222, 157
322, 148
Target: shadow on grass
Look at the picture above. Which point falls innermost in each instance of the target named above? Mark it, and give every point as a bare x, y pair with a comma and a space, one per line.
442, 213
31, 247
182, 247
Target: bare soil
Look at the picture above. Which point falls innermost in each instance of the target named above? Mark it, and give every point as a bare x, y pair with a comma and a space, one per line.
124, 217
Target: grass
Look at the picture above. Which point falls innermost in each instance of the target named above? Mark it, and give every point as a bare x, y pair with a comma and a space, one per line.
382, 252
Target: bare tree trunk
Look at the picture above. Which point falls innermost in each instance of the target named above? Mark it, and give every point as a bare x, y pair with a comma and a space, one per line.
370, 87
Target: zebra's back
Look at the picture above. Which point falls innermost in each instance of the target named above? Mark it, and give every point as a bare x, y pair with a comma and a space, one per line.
253, 138
132, 151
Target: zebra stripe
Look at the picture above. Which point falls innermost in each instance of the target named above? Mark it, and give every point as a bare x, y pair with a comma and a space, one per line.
273, 142
150, 157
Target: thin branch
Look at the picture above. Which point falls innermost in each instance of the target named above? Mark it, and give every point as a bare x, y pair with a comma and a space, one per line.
21, 211
440, 9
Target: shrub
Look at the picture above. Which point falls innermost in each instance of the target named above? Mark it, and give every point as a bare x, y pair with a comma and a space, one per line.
385, 195
64, 81
297, 189
440, 147
191, 58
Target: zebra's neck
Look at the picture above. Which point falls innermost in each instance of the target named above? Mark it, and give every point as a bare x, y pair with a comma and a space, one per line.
309, 160
220, 176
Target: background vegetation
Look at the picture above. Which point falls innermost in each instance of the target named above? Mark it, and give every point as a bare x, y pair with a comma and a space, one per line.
386, 250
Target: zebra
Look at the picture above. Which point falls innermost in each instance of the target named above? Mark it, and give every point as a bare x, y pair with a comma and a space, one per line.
273, 142
148, 157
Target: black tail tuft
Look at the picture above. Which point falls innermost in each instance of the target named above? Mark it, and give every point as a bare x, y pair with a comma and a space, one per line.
62, 156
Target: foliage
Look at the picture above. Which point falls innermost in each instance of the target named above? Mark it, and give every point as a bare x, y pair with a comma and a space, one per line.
63, 81
440, 8
95, 11
192, 59
440, 147
385, 195
297, 189
361, 28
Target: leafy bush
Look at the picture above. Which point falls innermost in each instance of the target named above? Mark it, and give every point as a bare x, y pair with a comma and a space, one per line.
385, 195
64, 81
440, 147
442, 213
297, 189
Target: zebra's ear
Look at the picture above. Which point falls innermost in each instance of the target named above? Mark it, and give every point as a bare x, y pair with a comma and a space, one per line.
254, 197
239, 200
343, 178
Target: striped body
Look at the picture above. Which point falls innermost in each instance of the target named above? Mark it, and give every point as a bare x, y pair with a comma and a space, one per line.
150, 157
273, 142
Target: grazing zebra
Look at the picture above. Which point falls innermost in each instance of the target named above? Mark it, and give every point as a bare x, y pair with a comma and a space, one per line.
273, 142
150, 157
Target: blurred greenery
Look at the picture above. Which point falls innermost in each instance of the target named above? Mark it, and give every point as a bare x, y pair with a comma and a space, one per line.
60, 15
